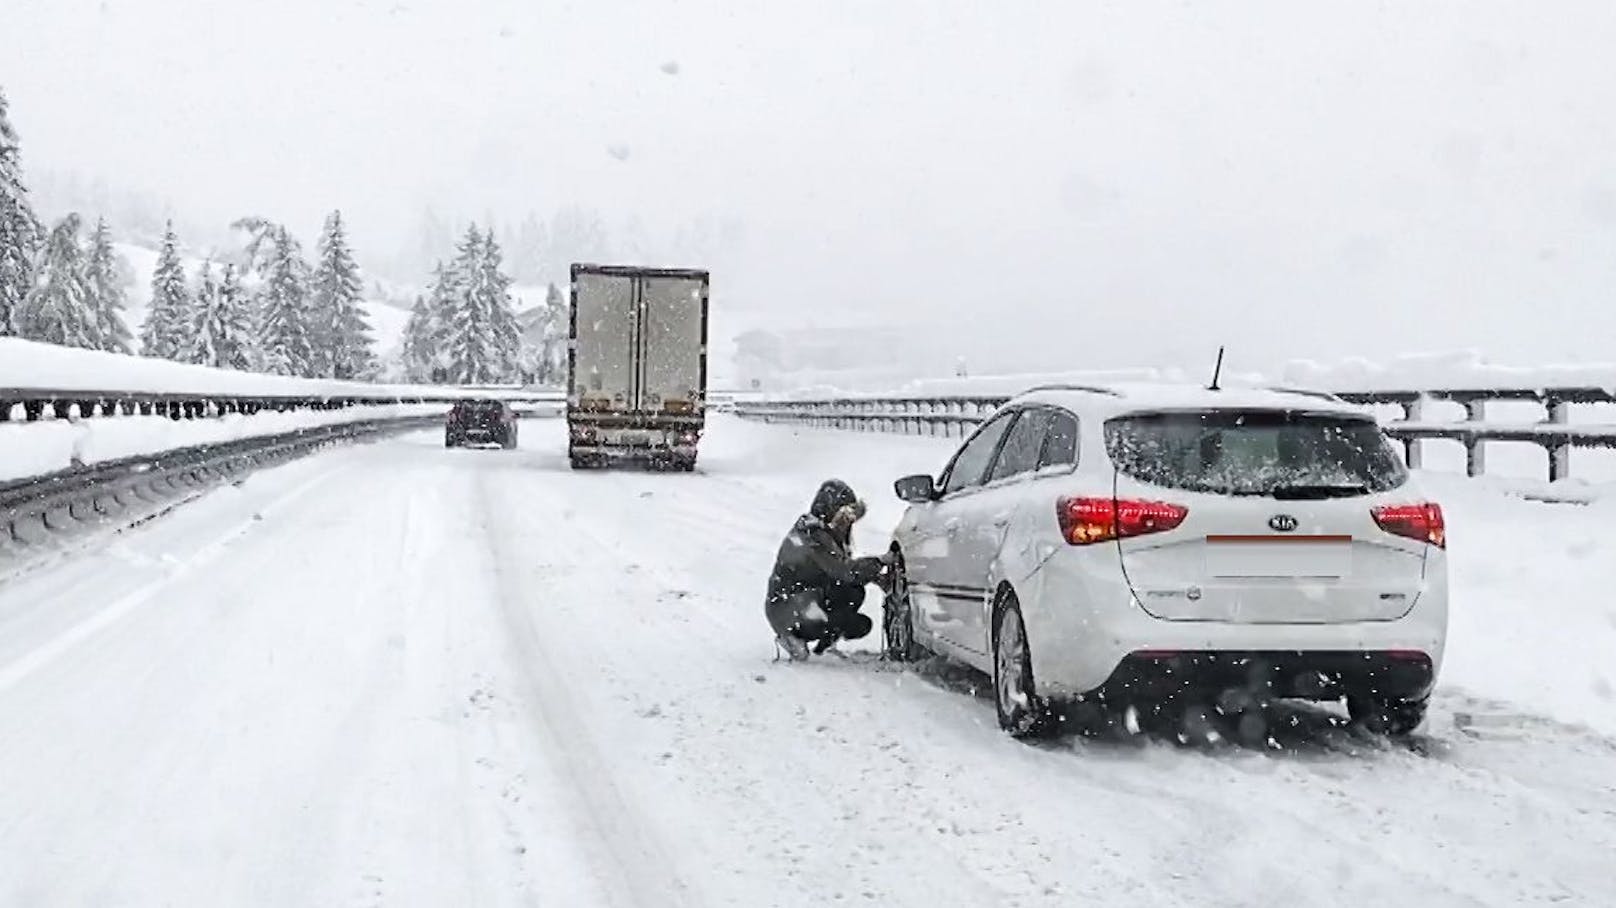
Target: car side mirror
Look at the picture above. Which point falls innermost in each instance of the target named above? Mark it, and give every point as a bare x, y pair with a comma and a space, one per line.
916, 489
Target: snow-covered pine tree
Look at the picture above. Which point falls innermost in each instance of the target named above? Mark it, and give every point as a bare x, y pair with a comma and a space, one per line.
202, 347
235, 338
469, 330
417, 352
166, 331
496, 302
58, 310
20, 230
284, 330
443, 301
484, 339
341, 335
108, 277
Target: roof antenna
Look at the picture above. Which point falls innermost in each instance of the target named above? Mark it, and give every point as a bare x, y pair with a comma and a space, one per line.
1217, 372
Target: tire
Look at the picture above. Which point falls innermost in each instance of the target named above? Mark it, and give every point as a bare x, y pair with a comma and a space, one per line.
449, 441
1392, 718
685, 464
509, 442
1022, 713
898, 620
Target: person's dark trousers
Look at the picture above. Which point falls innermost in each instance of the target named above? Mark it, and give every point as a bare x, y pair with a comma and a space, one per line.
841, 604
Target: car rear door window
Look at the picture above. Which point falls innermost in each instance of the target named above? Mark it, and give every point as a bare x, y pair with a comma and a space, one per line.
1275, 453
973, 460
1022, 446
1060, 442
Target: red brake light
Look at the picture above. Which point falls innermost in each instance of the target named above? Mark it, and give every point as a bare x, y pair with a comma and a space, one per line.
1422, 522
1085, 521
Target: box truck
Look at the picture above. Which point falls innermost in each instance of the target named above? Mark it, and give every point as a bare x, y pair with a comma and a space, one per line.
637, 365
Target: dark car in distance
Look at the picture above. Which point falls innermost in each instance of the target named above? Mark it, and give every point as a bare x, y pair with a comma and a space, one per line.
480, 422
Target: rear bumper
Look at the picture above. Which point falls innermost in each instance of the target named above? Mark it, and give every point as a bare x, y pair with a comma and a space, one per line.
644, 435
1085, 629
1311, 675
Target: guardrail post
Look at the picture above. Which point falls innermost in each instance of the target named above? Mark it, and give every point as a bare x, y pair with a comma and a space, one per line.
5, 410
1475, 446
1413, 448
32, 410
1559, 455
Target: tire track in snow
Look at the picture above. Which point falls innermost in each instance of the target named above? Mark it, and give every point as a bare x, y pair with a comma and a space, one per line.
640, 872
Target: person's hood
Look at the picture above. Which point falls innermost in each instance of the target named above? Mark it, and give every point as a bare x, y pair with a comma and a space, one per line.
832, 496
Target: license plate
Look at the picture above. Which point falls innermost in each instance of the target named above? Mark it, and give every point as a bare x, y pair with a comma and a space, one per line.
1268, 557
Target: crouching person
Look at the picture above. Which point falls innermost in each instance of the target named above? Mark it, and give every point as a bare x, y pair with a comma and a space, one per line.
817, 587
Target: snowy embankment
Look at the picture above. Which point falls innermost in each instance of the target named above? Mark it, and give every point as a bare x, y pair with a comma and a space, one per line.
36, 448
48, 445
27, 365
1449, 371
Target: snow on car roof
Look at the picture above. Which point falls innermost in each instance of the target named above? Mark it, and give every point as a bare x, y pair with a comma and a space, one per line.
1137, 397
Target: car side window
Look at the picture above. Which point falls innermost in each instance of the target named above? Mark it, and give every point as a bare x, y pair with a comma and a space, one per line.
1060, 442
971, 464
1022, 446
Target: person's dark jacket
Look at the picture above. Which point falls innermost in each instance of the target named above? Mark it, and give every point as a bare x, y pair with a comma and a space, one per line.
814, 557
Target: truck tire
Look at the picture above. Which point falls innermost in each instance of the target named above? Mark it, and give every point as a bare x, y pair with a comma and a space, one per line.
449, 441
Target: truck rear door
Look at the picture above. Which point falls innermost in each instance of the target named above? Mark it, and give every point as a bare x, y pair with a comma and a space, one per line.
604, 364
672, 337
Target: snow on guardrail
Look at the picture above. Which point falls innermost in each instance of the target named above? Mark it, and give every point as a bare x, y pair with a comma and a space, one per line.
38, 448
28, 366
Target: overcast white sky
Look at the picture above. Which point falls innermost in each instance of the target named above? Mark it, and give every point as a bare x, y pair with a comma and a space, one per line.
1048, 184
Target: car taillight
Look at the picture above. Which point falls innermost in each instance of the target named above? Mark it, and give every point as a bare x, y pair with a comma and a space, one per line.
1422, 522
1085, 521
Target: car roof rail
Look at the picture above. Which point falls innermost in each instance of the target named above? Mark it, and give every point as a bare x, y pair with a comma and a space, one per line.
1305, 392
1086, 389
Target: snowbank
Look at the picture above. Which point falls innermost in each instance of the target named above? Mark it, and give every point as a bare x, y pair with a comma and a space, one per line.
32, 449
30, 365
1423, 371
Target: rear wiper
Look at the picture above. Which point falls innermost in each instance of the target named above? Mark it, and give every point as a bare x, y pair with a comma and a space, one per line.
1314, 493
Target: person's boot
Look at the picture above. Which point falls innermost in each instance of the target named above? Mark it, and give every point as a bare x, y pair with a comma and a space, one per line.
795, 647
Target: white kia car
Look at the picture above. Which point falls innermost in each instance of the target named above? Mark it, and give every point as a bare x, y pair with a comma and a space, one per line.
1141, 545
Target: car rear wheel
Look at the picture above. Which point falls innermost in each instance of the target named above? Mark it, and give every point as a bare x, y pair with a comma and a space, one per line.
1022, 712
450, 441
1389, 717
898, 619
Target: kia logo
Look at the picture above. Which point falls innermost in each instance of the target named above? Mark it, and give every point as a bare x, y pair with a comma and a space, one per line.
1282, 523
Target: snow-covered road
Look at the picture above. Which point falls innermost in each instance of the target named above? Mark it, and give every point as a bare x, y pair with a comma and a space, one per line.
401, 675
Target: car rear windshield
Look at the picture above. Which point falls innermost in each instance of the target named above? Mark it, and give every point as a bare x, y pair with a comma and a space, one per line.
1258, 452
481, 407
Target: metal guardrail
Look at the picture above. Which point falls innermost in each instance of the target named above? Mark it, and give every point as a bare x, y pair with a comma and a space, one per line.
35, 510
956, 416
66, 403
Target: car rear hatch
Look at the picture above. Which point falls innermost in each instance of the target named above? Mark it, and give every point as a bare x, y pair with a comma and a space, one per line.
1267, 517
479, 417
